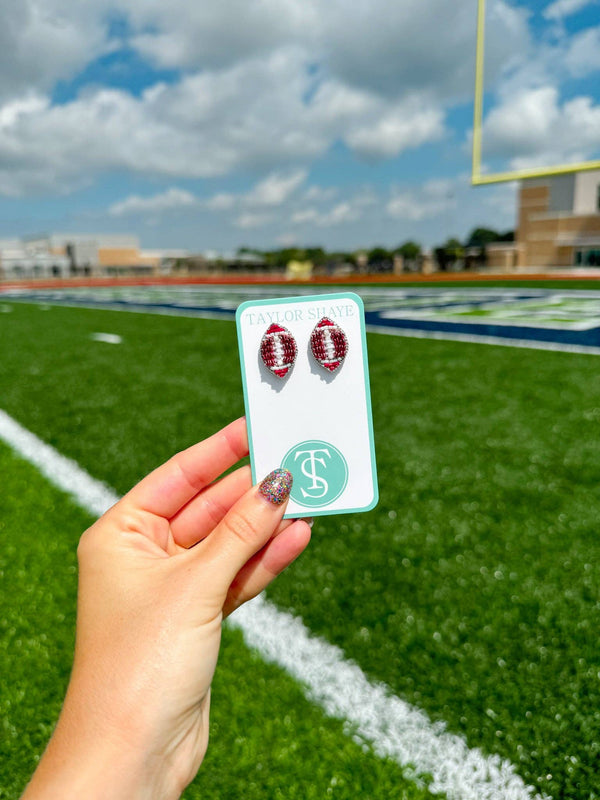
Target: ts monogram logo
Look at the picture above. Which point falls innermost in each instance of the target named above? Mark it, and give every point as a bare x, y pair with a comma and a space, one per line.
320, 473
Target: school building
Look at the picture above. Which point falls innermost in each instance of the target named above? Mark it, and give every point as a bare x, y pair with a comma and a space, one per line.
558, 224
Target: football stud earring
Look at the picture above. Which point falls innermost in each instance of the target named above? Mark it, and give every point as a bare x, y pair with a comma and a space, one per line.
278, 350
329, 344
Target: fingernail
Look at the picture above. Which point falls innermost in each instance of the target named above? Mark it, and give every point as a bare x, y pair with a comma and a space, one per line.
310, 521
276, 487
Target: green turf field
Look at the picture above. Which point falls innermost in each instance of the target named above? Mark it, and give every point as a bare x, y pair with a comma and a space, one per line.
471, 590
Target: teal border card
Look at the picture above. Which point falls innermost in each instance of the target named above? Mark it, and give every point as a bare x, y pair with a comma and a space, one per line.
324, 298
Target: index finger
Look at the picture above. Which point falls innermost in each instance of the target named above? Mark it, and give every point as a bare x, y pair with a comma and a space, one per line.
169, 487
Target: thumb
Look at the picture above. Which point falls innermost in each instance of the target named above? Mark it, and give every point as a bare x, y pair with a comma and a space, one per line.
244, 530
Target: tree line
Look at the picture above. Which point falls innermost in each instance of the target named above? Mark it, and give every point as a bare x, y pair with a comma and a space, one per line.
472, 249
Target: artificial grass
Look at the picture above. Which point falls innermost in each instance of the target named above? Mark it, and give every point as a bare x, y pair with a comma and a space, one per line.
471, 589
267, 740
39, 530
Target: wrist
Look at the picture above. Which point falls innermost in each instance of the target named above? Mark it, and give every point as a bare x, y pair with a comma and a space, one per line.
86, 761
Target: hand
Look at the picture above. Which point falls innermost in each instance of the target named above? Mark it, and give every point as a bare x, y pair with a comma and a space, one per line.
157, 575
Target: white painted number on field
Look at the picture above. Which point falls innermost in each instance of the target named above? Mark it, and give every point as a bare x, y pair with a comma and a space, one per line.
110, 338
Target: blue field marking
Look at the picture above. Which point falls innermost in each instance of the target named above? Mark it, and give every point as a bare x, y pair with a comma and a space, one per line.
538, 318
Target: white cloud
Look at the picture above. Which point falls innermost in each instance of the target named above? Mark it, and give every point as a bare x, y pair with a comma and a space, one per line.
165, 201
351, 210
215, 35
208, 124
427, 202
378, 45
250, 95
400, 129
287, 239
276, 188
373, 126
222, 201
251, 219
583, 53
340, 214
42, 42
564, 8
305, 215
320, 193
252, 115
533, 128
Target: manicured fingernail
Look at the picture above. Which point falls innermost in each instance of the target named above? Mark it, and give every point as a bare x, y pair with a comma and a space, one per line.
309, 521
276, 487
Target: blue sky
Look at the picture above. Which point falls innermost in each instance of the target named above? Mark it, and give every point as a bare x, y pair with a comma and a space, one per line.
333, 122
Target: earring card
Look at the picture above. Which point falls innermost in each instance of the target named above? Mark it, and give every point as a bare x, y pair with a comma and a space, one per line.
316, 419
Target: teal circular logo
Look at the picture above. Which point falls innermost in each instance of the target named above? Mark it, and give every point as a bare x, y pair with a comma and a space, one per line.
320, 473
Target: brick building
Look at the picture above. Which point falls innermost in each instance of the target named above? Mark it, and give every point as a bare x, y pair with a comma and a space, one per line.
559, 221
61, 255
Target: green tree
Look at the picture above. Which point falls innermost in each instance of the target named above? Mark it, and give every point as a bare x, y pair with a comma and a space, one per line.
479, 237
379, 254
317, 255
454, 249
507, 236
409, 250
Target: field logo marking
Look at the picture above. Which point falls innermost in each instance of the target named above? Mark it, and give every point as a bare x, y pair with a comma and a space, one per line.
562, 320
391, 726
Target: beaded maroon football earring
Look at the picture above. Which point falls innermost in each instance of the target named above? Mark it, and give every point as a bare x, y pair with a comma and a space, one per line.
278, 350
328, 344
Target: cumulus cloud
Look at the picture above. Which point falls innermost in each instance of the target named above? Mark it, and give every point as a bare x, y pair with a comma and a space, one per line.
378, 45
533, 127
43, 41
320, 193
250, 219
252, 115
222, 201
206, 125
583, 53
269, 88
347, 211
393, 48
551, 61
565, 8
172, 198
260, 86
276, 188
425, 202
397, 130
305, 215
215, 35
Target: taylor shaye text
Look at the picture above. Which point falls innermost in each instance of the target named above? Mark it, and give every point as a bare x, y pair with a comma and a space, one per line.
299, 314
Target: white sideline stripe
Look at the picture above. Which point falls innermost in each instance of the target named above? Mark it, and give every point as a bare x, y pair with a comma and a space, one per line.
394, 728
530, 344
64, 473
390, 725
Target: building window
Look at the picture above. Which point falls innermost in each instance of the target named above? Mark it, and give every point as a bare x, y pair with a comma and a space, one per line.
588, 258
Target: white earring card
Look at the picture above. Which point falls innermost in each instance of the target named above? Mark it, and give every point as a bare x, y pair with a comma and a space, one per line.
309, 411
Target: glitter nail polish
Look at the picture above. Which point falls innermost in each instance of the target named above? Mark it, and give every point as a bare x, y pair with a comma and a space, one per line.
276, 487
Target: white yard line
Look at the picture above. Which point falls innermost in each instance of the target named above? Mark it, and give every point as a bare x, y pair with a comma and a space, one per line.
391, 726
